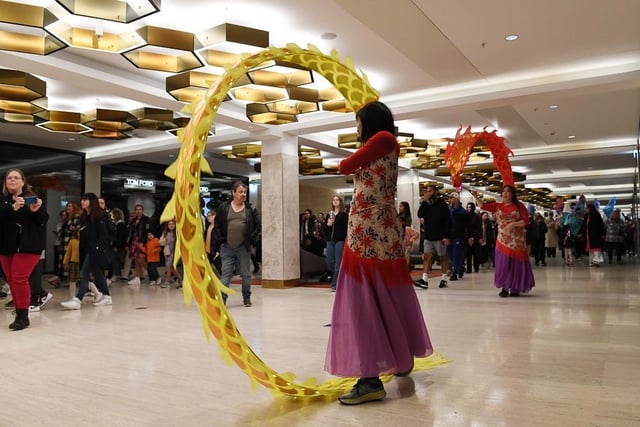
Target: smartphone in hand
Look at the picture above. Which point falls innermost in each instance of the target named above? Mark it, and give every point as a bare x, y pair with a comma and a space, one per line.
30, 200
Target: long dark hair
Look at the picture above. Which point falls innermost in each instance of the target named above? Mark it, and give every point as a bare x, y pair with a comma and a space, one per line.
375, 117
406, 214
95, 211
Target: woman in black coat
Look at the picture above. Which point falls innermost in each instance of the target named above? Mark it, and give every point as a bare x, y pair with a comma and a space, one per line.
94, 252
21, 240
592, 233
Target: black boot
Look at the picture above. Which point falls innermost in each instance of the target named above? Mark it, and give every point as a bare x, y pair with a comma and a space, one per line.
21, 321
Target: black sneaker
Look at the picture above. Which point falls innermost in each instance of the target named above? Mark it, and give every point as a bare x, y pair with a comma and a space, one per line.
365, 390
420, 283
443, 284
4, 294
247, 302
453, 277
503, 293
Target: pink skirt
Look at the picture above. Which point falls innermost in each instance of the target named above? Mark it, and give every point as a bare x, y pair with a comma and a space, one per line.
377, 326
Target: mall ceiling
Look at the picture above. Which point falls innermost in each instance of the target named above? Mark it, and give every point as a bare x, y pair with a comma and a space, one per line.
565, 94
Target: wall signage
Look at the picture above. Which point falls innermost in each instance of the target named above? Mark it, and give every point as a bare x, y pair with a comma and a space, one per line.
140, 184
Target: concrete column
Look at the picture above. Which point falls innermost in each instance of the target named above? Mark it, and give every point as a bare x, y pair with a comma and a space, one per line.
279, 213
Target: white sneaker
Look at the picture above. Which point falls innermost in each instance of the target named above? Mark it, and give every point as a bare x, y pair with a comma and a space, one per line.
34, 308
159, 282
106, 300
99, 296
45, 299
134, 281
165, 284
73, 304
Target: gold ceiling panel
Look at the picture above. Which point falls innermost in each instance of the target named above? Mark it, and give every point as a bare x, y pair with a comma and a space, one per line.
109, 124
20, 107
281, 74
218, 58
112, 10
16, 38
165, 50
292, 106
153, 119
231, 34
21, 86
90, 39
308, 151
244, 151
348, 140
64, 121
191, 86
337, 106
18, 118
258, 94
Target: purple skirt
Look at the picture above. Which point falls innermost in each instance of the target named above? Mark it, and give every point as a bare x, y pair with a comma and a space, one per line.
375, 329
513, 274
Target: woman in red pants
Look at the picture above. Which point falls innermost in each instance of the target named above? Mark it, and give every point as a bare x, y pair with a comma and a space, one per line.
22, 235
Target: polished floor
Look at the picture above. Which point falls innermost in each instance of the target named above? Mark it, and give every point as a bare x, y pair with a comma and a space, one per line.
566, 355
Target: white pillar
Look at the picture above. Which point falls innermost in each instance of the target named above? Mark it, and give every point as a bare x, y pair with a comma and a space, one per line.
279, 213
93, 178
409, 191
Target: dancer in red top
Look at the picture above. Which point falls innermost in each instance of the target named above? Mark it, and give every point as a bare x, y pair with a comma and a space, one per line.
513, 273
377, 326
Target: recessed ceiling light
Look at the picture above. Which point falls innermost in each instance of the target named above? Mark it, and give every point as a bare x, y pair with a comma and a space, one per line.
511, 37
328, 36
553, 107
71, 139
571, 136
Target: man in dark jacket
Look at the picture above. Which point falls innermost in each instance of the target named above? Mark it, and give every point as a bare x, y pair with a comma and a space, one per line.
434, 216
459, 233
237, 227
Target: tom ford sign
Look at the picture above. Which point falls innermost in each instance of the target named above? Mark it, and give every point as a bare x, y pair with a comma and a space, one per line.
140, 184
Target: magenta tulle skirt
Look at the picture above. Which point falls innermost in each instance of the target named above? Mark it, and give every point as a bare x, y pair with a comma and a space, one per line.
377, 326
513, 273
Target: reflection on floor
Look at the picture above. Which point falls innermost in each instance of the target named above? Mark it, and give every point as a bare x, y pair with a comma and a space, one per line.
566, 355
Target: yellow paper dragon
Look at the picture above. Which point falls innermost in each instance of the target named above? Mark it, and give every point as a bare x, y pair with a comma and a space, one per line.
200, 283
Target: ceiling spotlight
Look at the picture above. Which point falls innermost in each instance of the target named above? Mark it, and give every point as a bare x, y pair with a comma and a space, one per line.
553, 107
511, 37
571, 136
328, 36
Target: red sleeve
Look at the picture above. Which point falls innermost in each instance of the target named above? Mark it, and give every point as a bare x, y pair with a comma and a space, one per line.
489, 207
380, 144
524, 214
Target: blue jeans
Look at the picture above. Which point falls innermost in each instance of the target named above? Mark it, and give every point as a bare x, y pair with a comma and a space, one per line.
334, 258
455, 252
240, 260
98, 277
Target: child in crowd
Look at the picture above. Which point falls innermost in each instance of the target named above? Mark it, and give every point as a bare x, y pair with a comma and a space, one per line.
168, 240
152, 250
71, 264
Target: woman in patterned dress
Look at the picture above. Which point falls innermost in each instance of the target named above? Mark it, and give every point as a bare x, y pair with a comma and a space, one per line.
377, 326
513, 273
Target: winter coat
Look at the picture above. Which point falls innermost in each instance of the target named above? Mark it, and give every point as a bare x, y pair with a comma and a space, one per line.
22, 230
